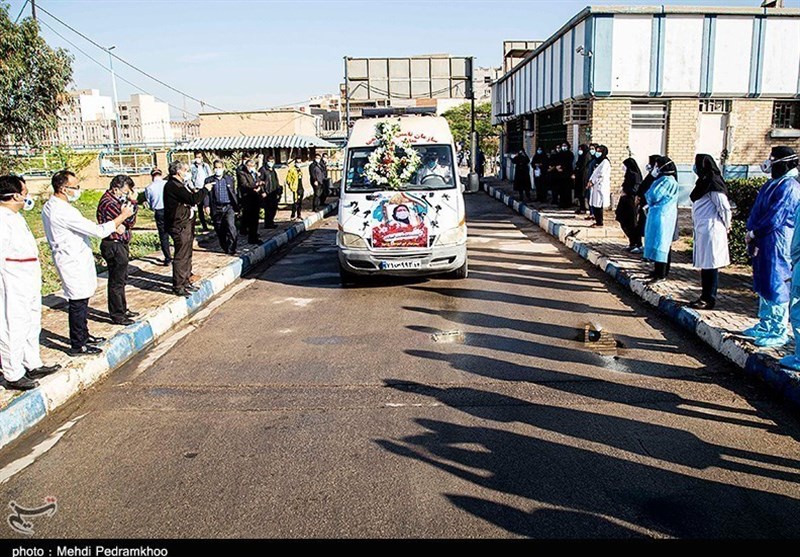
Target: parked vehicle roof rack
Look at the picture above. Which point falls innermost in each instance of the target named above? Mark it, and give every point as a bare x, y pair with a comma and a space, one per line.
398, 111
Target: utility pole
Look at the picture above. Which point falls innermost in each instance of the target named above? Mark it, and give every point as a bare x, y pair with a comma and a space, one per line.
114, 91
33, 9
473, 182
346, 98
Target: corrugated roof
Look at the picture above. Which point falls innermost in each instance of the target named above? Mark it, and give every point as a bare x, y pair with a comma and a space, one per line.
244, 142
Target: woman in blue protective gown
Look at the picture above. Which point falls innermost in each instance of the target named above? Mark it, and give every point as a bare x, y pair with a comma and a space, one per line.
662, 217
769, 233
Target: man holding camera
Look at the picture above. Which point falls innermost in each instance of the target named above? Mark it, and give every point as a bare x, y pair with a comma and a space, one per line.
115, 248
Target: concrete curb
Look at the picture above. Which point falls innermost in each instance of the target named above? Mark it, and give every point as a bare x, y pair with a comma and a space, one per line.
766, 368
29, 408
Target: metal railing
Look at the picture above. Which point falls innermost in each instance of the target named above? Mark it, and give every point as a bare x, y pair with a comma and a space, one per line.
127, 163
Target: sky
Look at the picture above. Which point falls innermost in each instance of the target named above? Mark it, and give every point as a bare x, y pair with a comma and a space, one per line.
256, 54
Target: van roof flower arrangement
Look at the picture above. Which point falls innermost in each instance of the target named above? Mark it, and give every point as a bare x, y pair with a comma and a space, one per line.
394, 160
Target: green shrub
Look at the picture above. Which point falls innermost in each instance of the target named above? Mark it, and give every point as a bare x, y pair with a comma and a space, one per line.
736, 244
742, 193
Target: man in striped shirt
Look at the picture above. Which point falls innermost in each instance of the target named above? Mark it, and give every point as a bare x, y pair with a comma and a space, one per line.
115, 248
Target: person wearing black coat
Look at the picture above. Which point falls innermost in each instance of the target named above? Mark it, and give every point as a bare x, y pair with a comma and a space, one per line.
250, 197
522, 177
539, 164
271, 192
224, 204
563, 172
647, 181
318, 174
627, 212
581, 177
179, 207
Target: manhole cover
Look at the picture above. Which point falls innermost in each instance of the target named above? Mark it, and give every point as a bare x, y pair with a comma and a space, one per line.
451, 337
599, 340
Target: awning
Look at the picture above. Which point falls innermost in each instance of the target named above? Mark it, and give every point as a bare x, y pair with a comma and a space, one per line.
254, 142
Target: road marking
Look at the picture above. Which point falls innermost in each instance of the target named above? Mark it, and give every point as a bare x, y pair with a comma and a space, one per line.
20, 464
315, 276
195, 321
410, 405
297, 302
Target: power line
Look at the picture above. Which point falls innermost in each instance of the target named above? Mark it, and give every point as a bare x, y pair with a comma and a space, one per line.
22, 9
104, 49
90, 57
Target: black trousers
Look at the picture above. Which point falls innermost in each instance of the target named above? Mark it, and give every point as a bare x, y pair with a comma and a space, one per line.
709, 279
597, 213
201, 214
634, 238
163, 236
662, 269
224, 220
78, 323
315, 203
297, 202
116, 255
182, 262
565, 199
271, 208
250, 213
326, 190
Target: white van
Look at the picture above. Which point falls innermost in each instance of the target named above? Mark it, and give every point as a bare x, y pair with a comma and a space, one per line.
419, 229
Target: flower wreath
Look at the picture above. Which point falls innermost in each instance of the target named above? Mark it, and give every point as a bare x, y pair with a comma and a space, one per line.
394, 161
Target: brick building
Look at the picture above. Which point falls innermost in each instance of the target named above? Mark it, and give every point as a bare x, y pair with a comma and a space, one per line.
672, 80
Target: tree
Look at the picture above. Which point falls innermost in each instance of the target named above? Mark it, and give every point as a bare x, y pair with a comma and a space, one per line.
459, 119
33, 81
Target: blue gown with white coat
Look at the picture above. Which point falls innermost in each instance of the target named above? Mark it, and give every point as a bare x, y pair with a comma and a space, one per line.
662, 217
772, 222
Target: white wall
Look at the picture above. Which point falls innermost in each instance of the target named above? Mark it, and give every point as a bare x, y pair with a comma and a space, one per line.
631, 45
781, 52
557, 70
683, 48
734, 41
577, 60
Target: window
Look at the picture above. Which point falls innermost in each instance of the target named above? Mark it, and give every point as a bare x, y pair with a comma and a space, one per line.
715, 106
436, 171
127, 162
786, 115
576, 113
648, 115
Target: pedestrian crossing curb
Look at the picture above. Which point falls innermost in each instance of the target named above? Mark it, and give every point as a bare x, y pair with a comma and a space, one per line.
784, 382
26, 410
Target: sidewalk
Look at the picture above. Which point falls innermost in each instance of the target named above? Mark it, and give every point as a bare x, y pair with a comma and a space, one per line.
736, 307
149, 292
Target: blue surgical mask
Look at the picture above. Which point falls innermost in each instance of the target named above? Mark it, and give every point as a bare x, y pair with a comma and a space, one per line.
598, 154
28, 204
694, 169
592, 152
580, 151
654, 173
538, 151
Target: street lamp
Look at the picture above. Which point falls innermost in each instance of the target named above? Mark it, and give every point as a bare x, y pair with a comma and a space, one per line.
114, 91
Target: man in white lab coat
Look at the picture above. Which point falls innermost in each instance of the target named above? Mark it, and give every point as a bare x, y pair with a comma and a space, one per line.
20, 290
68, 233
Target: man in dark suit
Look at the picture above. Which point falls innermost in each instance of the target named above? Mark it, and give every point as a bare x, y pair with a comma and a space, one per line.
224, 205
180, 203
250, 198
317, 173
272, 189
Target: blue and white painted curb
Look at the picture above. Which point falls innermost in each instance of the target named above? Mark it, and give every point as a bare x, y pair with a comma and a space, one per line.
759, 365
29, 408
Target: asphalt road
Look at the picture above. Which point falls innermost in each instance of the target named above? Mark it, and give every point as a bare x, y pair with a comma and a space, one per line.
429, 408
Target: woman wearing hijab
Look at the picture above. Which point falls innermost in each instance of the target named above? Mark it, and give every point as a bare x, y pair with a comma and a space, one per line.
564, 170
628, 206
647, 181
522, 177
662, 217
580, 177
600, 184
711, 215
539, 164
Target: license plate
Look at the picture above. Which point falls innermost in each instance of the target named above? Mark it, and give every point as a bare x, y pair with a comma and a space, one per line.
394, 265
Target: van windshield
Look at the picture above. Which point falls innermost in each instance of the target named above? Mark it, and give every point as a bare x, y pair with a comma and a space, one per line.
435, 173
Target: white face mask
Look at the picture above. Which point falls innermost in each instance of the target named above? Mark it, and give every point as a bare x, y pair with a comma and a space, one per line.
74, 196
270, 164
219, 172
654, 173
28, 204
766, 166
198, 161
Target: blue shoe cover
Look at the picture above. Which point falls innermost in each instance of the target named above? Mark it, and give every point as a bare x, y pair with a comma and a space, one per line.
756, 331
771, 341
791, 362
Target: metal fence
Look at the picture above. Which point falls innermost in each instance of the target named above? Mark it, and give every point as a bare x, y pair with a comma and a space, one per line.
127, 163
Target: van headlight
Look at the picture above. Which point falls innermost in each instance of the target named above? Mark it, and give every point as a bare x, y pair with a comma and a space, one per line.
351, 241
453, 236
